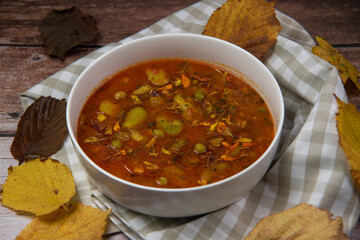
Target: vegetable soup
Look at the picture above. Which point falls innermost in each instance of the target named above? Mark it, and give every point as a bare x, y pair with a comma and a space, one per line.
175, 123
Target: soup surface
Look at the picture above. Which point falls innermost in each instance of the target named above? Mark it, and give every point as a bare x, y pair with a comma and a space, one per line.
174, 123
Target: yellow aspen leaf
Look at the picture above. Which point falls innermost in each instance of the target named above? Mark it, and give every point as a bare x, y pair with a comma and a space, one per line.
78, 222
300, 222
38, 186
345, 69
250, 24
348, 126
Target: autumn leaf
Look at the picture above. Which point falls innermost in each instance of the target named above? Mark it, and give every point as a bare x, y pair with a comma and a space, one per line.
61, 30
348, 126
74, 223
300, 222
250, 24
38, 186
345, 69
41, 129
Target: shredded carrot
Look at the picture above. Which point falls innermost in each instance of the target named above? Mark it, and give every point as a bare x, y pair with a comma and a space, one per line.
139, 170
166, 87
248, 144
116, 127
226, 144
227, 158
202, 79
221, 126
185, 81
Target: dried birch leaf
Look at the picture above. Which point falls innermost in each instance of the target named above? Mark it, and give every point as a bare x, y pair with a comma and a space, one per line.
38, 186
41, 129
250, 24
348, 126
61, 30
300, 222
345, 69
77, 222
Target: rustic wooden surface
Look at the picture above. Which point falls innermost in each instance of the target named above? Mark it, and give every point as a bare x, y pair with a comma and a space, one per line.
23, 62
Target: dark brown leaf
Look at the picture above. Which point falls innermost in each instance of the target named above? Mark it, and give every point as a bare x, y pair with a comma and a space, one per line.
41, 129
61, 30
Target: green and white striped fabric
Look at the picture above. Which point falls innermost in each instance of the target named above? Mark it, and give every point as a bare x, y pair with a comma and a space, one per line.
310, 166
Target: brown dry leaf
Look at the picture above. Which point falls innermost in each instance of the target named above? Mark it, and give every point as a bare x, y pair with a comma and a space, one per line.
38, 186
74, 223
61, 30
346, 70
250, 24
348, 126
300, 222
41, 129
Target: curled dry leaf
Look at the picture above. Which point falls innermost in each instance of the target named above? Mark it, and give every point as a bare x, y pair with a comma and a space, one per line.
348, 126
345, 69
41, 129
38, 186
78, 221
300, 222
61, 30
250, 24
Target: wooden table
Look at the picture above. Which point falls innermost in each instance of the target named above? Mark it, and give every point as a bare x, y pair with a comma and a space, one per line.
23, 62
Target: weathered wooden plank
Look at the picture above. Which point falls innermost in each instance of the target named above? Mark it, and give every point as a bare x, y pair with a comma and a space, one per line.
19, 20
336, 21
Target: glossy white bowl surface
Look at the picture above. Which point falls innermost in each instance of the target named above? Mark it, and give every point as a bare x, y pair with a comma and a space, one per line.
185, 201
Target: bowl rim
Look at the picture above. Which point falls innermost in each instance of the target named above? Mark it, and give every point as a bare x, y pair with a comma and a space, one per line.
170, 190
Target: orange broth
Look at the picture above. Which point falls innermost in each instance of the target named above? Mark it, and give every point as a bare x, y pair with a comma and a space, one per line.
175, 123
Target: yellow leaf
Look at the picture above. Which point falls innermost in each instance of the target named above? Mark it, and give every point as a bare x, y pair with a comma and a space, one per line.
250, 24
38, 186
348, 126
345, 69
300, 222
75, 223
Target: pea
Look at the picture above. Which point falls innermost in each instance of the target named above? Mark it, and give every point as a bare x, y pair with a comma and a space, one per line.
158, 133
199, 95
134, 117
199, 148
116, 144
161, 180
120, 95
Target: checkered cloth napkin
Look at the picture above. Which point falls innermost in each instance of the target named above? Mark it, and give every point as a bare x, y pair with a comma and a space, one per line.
310, 166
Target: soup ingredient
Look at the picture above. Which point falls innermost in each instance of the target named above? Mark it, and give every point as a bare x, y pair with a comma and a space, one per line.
109, 108
199, 148
41, 129
61, 30
77, 221
173, 127
134, 117
250, 24
348, 123
300, 222
345, 69
38, 186
157, 76
201, 126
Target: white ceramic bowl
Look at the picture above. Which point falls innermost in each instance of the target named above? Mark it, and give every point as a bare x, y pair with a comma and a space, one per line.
185, 201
